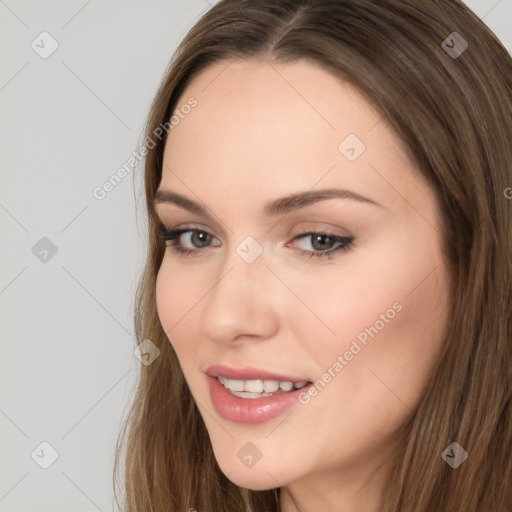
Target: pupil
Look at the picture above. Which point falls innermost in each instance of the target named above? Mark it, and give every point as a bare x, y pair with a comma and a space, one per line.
200, 238
321, 242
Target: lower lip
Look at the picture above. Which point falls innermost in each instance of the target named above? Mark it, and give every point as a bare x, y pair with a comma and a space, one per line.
250, 410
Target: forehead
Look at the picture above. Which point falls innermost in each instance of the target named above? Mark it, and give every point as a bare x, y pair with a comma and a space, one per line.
246, 100
289, 124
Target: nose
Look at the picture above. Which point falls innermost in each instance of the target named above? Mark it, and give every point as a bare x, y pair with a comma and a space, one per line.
241, 304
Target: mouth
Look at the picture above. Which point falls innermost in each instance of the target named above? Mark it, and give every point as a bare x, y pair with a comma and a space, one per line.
260, 388
252, 395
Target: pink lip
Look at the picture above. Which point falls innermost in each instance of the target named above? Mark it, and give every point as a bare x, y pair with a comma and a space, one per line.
249, 410
248, 373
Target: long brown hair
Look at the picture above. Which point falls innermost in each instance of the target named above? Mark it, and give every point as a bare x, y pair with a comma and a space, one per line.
452, 106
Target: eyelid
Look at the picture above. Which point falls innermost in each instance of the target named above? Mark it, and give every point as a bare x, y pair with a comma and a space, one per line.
320, 227
306, 234
188, 226
173, 217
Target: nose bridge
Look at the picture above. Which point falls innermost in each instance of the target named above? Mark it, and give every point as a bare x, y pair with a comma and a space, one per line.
239, 303
244, 273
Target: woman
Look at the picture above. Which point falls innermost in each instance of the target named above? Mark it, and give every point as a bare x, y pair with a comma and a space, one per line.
328, 280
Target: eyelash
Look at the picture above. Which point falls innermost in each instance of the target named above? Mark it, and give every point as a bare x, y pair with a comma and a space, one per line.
171, 238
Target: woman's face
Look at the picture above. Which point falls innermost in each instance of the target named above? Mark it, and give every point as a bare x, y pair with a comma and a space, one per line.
310, 251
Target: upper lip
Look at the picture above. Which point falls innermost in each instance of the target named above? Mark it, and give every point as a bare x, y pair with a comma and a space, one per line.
249, 373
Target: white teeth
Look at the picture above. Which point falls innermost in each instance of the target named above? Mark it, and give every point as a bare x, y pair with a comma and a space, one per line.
257, 388
234, 385
253, 386
286, 386
269, 386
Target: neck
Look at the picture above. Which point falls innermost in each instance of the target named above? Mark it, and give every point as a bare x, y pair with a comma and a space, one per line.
347, 491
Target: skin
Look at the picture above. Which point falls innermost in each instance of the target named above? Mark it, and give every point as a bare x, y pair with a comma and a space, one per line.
261, 131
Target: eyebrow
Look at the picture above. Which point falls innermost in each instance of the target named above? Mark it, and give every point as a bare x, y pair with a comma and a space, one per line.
277, 207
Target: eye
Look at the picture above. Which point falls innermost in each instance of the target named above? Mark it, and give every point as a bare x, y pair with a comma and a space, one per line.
187, 240
322, 245
194, 239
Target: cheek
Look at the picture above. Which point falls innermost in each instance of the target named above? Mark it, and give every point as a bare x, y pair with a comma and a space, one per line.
175, 296
388, 316
166, 298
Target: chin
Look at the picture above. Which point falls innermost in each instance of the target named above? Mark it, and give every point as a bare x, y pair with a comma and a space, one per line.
261, 476
253, 479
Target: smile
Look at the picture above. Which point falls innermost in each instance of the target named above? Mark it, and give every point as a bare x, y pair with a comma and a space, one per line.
259, 388
252, 395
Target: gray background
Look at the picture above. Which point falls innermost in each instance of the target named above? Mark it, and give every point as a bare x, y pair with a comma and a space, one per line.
68, 122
